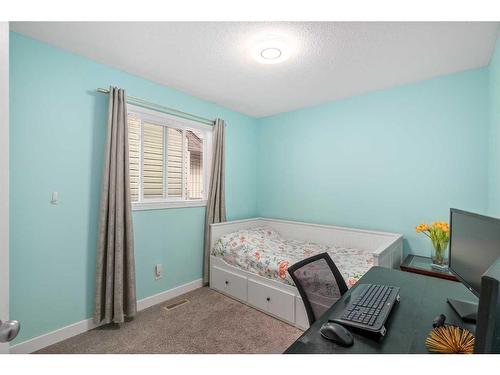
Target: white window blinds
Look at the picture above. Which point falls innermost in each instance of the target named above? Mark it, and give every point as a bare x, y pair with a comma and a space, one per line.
167, 163
153, 160
174, 164
134, 135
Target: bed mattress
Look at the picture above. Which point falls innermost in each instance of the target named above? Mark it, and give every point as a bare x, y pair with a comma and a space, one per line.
265, 252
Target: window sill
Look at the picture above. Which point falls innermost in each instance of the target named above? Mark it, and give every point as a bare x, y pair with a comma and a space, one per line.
142, 206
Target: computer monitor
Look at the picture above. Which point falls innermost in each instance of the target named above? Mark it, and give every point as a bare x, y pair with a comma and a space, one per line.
474, 247
488, 315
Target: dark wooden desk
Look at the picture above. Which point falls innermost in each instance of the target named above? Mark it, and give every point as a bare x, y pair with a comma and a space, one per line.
422, 299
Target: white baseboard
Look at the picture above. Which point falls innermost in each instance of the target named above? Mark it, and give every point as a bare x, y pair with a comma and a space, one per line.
40, 342
47, 339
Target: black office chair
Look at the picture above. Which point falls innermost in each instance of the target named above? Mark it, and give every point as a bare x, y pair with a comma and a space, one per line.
319, 282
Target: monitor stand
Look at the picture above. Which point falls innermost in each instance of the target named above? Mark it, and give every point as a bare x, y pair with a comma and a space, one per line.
466, 310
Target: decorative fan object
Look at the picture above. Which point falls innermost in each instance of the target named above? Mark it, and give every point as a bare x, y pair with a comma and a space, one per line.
450, 340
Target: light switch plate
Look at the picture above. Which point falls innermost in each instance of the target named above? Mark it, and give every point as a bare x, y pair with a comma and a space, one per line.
158, 271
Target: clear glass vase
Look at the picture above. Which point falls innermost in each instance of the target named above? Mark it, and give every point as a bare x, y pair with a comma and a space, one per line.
439, 254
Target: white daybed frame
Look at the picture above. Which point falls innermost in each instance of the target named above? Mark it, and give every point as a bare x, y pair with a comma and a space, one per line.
282, 300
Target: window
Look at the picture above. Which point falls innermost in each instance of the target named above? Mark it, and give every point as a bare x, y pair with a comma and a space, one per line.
168, 160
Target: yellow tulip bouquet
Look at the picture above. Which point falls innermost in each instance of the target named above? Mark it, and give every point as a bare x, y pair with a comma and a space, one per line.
439, 233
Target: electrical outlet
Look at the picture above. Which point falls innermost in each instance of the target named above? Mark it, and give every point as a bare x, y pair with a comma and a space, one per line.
158, 271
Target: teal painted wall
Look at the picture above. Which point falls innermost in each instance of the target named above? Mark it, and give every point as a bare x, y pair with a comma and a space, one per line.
387, 160
57, 136
494, 135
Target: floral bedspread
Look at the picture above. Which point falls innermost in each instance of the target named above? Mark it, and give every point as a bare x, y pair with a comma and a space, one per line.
264, 252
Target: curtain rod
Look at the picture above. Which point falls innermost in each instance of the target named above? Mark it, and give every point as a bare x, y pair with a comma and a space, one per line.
160, 108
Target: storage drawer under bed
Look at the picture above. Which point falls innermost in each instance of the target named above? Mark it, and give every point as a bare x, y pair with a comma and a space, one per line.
276, 302
229, 283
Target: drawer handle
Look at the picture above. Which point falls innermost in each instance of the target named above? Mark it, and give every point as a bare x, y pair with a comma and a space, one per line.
268, 299
227, 282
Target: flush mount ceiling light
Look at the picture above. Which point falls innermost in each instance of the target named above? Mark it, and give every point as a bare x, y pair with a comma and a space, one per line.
270, 50
271, 53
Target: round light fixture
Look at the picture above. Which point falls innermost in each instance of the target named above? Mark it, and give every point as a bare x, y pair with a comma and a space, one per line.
270, 50
270, 53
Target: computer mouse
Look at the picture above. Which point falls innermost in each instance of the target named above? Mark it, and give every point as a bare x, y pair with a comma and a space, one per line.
336, 333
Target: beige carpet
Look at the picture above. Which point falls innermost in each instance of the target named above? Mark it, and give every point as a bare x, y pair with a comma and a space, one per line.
209, 323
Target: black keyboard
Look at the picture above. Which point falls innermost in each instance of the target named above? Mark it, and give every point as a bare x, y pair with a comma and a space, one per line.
370, 307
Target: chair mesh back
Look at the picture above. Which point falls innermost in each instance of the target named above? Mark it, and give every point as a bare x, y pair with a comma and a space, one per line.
318, 284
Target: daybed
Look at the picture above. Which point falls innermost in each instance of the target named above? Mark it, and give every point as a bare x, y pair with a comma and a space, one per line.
249, 259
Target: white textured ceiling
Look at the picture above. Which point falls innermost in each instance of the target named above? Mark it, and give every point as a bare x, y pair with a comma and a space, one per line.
211, 60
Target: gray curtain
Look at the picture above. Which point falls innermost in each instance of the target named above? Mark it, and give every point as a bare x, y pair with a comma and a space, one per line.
115, 296
216, 205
